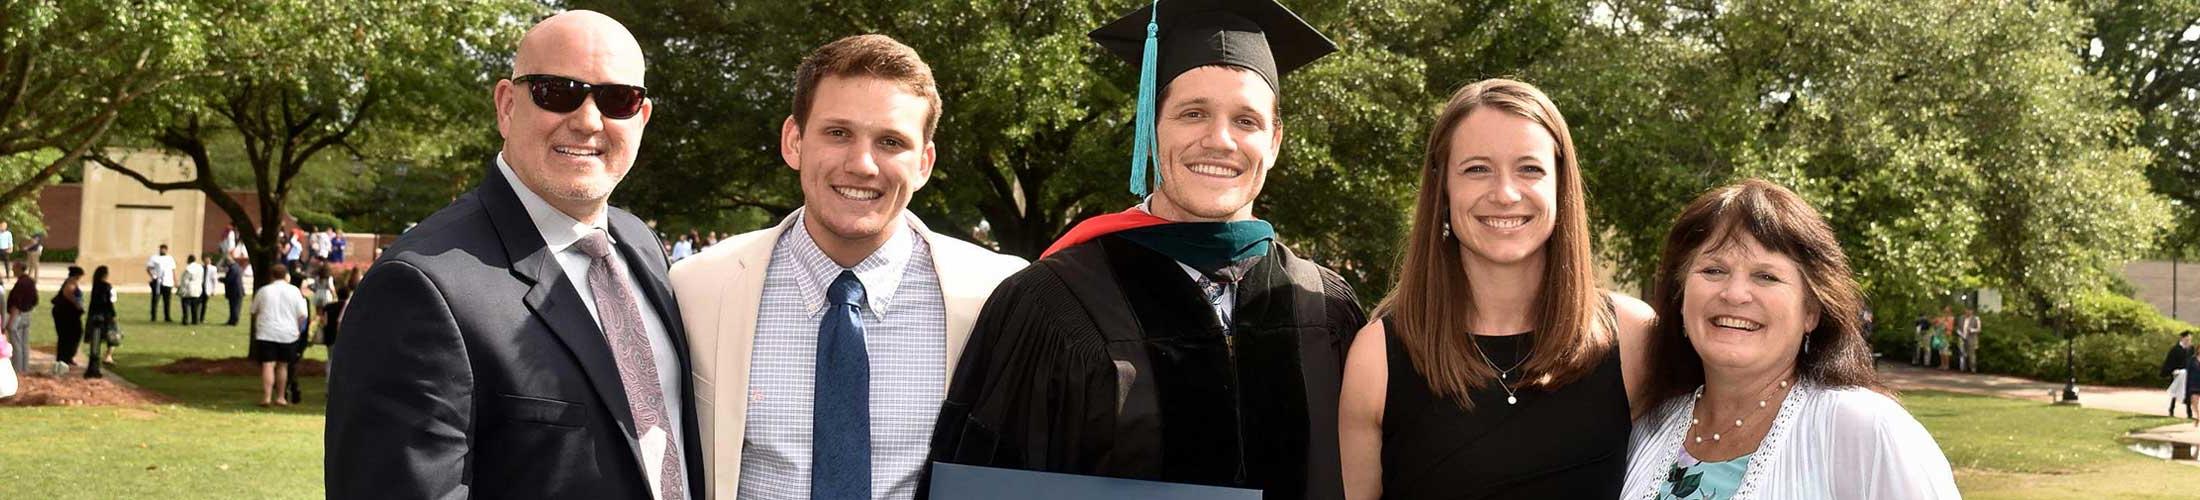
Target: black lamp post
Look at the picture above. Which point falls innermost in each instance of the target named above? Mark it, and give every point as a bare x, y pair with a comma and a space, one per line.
2070, 359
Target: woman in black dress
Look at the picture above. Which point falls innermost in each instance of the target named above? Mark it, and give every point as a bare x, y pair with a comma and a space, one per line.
1497, 369
99, 321
68, 317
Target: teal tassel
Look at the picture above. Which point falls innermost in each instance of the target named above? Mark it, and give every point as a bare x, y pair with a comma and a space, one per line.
1142, 141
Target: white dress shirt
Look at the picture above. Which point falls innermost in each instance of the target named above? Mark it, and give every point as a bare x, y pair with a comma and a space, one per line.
682, 249
162, 268
904, 319
560, 232
1224, 302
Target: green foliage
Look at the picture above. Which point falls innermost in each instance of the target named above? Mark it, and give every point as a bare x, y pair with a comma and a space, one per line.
1950, 144
58, 256
2119, 341
2150, 52
314, 218
2128, 360
70, 68
2111, 314
23, 215
2013, 345
343, 90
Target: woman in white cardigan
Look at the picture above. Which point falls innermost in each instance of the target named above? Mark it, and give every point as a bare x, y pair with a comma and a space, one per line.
1766, 384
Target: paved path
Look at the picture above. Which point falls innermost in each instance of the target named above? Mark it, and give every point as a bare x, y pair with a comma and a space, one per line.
50, 275
2124, 399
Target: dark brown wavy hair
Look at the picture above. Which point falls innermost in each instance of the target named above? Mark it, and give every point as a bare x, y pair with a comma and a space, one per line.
1784, 224
1433, 302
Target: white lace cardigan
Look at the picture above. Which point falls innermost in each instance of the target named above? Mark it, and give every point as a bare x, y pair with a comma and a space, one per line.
1843, 443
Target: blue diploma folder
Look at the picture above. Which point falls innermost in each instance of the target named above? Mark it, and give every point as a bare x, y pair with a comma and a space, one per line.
968, 482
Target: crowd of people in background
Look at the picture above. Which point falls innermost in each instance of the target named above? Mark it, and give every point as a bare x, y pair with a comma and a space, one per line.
680, 247
300, 307
1948, 341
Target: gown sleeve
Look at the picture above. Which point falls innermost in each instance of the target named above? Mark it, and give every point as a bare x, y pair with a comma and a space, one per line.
1344, 309
1035, 388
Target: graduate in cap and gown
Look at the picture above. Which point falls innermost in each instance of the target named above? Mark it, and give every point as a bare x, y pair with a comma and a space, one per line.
1180, 340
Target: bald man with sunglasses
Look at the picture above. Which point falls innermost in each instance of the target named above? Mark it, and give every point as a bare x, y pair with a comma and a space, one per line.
522, 342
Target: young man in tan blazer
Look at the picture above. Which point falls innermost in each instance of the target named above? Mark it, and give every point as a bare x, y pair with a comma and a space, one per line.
823, 345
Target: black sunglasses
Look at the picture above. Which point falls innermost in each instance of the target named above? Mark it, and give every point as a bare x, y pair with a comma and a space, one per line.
559, 94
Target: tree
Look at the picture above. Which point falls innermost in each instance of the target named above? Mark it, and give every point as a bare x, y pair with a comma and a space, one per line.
1950, 144
70, 68
374, 79
2150, 52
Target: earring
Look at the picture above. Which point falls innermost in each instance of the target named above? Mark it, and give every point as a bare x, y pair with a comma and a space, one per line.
1447, 229
1806, 345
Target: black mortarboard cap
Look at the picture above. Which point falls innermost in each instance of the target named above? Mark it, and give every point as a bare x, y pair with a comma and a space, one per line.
1259, 35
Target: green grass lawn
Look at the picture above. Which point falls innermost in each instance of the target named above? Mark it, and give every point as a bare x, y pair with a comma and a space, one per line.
2004, 448
215, 442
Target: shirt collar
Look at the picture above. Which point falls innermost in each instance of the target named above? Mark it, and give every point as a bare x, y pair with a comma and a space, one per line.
559, 231
880, 273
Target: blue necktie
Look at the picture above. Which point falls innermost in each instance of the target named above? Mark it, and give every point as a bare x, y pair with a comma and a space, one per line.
840, 422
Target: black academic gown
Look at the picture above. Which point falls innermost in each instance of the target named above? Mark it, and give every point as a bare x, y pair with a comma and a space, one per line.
1105, 359
2178, 355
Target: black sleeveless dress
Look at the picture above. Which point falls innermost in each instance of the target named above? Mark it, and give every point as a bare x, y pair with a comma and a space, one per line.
1563, 444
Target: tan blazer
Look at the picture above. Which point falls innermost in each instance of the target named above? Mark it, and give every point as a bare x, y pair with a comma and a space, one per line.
718, 290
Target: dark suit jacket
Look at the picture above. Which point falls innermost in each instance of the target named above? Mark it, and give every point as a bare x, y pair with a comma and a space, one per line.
232, 280
471, 367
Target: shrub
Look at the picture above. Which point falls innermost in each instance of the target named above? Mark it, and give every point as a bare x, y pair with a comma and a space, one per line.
2015, 345
2132, 360
2120, 341
60, 255
2105, 313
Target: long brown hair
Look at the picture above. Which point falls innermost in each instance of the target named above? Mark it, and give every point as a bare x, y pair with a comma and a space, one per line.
1433, 302
1784, 224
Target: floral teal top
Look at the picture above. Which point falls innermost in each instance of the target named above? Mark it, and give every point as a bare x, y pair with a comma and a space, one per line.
1697, 480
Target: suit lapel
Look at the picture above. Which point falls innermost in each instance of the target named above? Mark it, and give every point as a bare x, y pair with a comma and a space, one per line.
555, 300
735, 341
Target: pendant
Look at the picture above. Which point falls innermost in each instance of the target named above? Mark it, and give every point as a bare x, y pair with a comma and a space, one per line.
1511, 400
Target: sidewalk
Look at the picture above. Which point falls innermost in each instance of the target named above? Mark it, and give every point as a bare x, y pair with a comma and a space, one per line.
51, 274
1904, 377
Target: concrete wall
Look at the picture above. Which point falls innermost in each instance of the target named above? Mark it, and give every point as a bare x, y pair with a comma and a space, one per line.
123, 222
2156, 279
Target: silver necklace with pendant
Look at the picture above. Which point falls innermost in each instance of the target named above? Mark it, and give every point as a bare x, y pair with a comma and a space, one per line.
1503, 374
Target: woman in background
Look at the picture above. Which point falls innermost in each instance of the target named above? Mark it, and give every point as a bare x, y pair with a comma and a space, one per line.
99, 323
68, 317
